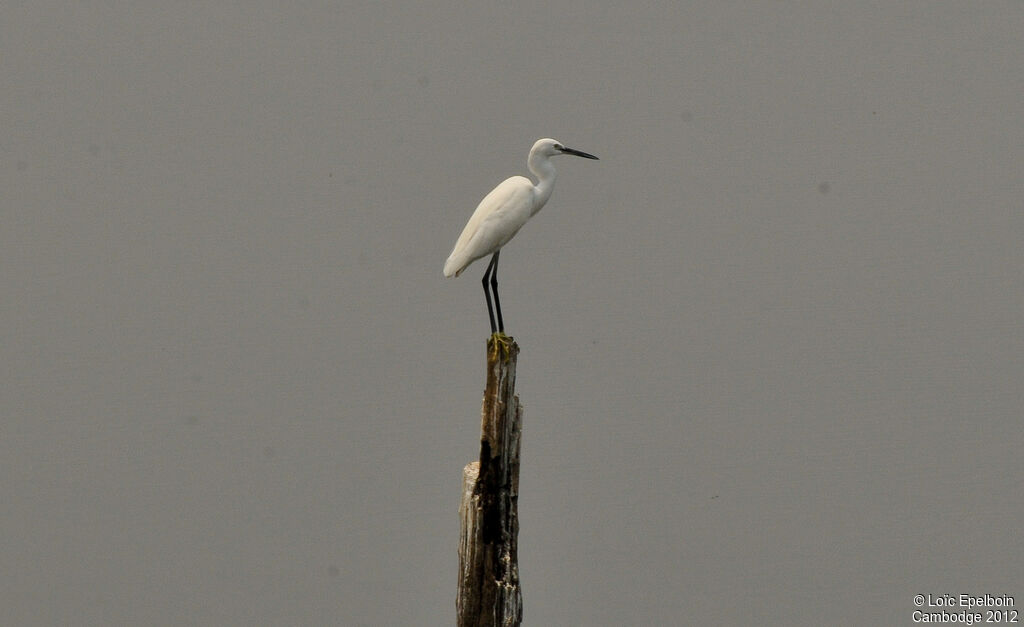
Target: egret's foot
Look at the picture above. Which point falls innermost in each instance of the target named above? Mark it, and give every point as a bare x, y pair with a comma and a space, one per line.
500, 345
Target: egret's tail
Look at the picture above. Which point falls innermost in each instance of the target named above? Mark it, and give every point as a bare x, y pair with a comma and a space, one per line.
451, 267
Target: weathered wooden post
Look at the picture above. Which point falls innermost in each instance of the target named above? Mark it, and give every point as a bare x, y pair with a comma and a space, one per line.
489, 593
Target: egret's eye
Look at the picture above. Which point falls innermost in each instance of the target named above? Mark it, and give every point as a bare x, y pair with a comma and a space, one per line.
559, 147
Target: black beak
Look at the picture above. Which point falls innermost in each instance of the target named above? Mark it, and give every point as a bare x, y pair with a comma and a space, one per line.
578, 153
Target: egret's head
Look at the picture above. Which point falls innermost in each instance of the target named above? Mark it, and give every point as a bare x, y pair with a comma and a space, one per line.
551, 147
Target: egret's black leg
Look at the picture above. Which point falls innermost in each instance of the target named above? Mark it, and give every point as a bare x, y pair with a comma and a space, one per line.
487, 293
494, 288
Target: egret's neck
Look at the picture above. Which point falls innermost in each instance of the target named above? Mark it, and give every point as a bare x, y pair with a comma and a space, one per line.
542, 168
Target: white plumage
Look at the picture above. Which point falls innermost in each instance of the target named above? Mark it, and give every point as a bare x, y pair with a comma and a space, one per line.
497, 218
504, 211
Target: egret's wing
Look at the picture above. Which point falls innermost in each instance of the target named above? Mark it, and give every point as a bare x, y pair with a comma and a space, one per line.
497, 218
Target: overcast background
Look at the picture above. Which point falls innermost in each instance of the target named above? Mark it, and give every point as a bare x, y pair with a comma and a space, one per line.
772, 342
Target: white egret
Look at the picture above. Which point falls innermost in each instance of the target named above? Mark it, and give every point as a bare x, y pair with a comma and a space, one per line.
501, 214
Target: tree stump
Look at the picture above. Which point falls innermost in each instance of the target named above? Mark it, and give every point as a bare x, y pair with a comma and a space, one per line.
489, 593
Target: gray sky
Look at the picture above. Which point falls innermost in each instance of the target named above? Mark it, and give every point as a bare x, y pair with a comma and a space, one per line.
771, 343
